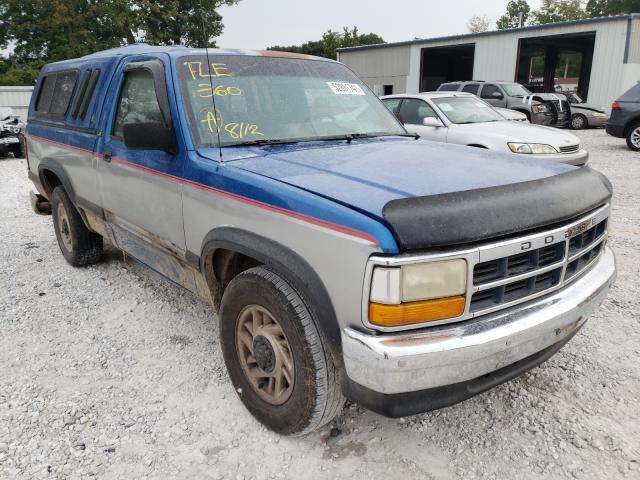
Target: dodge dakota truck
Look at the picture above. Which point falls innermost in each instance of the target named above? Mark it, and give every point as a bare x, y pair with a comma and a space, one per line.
345, 257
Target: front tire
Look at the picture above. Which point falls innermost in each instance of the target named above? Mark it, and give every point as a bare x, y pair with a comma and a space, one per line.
275, 355
633, 138
79, 245
579, 122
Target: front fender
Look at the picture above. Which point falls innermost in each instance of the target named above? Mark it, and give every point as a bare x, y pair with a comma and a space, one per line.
291, 266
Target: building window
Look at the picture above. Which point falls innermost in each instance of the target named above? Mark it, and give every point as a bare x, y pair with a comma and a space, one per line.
387, 89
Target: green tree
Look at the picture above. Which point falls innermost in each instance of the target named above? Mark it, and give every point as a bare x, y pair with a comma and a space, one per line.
511, 19
478, 24
553, 11
331, 41
604, 8
41, 31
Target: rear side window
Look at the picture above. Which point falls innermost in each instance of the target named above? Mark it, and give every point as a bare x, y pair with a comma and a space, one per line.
85, 93
449, 87
55, 93
471, 88
392, 104
46, 94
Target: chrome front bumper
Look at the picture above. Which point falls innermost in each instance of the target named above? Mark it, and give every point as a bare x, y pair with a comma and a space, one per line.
580, 158
455, 353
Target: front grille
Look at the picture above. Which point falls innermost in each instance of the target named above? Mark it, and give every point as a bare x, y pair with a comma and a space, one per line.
518, 264
570, 149
510, 279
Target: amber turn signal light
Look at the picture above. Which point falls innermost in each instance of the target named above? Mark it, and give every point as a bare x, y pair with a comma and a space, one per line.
415, 312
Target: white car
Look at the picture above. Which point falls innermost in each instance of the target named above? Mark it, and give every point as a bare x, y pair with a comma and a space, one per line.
464, 119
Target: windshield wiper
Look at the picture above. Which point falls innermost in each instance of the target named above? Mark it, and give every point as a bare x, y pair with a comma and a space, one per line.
352, 136
259, 142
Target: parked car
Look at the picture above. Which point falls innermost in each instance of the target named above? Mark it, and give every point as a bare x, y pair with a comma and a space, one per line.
512, 115
625, 118
11, 136
540, 108
345, 257
464, 119
585, 115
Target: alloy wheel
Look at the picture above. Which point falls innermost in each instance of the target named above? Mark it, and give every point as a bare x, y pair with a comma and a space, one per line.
635, 138
265, 354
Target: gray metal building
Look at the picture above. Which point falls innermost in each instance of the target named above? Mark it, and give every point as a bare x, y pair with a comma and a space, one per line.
603, 55
17, 98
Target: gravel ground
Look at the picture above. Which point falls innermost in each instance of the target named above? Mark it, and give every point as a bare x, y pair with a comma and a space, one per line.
110, 371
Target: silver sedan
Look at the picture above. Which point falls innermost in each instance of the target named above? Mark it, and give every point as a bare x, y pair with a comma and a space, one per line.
464, 119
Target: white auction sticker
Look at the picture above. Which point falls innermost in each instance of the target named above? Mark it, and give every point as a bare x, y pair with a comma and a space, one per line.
343, 88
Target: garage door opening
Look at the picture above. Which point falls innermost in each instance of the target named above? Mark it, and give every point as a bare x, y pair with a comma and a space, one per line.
446, 64
557, 64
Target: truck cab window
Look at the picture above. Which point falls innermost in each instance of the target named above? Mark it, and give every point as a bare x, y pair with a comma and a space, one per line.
138, 102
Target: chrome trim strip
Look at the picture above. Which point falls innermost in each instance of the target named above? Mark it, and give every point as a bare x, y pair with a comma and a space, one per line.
487, 252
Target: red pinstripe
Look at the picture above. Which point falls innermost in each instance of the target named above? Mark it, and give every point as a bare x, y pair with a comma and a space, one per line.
248, 201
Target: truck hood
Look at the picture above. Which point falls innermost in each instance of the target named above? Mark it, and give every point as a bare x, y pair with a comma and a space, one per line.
518, 132
376, 177
368, 174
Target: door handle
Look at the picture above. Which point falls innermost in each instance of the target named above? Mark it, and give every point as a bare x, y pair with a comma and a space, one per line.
107, 154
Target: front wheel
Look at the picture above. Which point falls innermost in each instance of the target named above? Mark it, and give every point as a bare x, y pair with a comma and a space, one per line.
579, 122
633, 138
276, 358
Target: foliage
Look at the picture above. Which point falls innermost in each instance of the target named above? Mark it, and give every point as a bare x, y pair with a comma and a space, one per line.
603, 8
553, 11
478, 23
511, 19
41, 31
331, 41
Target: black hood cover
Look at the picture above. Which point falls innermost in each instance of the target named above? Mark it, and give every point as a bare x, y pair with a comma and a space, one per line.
470, 216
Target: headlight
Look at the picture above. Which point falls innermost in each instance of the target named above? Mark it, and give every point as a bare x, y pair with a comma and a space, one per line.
539, 109
598, 115
418, 293
532, 148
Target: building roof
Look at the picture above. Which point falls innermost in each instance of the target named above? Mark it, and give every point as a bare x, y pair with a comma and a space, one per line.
469, 36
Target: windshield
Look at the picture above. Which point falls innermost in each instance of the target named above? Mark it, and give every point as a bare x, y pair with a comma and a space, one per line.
467, 110
277, 99
516, 90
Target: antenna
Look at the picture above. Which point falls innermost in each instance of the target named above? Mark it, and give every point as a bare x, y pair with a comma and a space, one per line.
205, 38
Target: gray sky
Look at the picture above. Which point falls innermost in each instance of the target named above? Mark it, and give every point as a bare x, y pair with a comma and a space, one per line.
263, 23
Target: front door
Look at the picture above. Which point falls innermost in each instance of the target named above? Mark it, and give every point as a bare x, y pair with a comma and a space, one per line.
141, 189
413, 112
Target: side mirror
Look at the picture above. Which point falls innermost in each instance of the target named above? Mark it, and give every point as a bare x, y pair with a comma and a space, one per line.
497, 95
149, 136
432, 122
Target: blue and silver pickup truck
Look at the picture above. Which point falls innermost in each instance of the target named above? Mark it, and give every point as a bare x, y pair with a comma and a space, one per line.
345, 257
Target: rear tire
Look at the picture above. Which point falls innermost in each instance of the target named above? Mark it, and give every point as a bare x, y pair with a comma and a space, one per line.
267, 332
579, 122
633, 137
79, 245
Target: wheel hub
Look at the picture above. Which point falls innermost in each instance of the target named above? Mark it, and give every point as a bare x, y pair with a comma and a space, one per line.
63, 226
635, 138
265, 355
